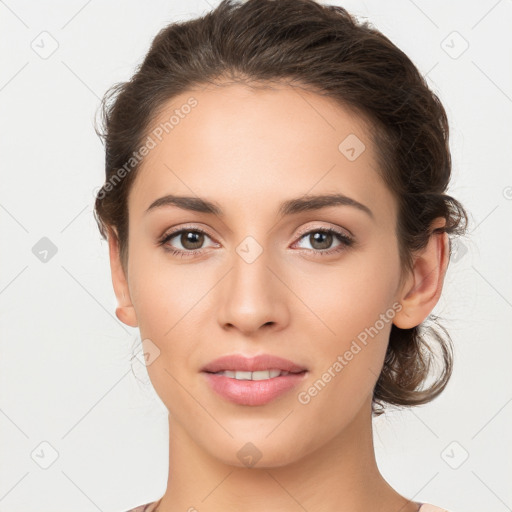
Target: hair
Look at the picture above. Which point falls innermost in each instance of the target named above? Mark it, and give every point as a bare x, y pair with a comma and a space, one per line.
326, 50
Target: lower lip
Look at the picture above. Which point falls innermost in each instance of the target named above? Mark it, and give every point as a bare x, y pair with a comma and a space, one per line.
253, 392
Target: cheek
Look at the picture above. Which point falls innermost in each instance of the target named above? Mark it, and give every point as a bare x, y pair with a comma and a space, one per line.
347, 298
162, 292
167, 300
354, 302
172, 303
358, 312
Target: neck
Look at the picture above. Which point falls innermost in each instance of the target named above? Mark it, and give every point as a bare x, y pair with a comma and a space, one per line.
341, 476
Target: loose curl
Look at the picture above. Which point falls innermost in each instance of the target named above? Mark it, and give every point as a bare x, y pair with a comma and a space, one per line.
324, 49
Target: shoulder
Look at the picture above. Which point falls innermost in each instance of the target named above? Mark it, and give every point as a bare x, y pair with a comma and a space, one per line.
148, 507
426, 507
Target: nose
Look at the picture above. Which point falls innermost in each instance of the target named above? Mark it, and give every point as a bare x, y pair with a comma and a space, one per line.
252, 296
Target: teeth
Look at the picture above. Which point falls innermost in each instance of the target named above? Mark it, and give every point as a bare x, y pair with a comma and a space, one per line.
259, 375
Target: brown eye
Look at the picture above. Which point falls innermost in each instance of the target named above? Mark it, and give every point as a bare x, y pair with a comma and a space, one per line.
184, 241
320, 240
191, 240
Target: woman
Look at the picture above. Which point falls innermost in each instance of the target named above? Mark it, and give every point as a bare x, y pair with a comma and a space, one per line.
278, 225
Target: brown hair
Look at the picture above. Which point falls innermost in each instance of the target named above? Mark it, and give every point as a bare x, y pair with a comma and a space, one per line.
324, 49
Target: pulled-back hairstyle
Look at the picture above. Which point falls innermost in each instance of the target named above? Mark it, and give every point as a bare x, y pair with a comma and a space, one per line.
323, 49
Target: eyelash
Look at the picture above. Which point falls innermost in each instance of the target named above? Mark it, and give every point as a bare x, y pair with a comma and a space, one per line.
346, 241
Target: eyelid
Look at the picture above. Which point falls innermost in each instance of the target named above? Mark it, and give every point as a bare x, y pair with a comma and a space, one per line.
301, 232
341, 231
172, 232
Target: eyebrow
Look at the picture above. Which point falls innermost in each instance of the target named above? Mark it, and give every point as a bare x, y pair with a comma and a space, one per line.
289, 207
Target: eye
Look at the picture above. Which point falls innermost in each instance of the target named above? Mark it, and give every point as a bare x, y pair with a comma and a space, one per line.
321, 240
190, 240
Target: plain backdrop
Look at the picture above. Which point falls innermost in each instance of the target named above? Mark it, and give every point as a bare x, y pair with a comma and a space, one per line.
81, 428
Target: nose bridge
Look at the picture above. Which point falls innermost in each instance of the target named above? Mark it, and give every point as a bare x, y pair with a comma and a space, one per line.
250, 265
251, 297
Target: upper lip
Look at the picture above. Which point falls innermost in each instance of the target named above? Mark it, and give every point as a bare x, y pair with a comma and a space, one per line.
238, 362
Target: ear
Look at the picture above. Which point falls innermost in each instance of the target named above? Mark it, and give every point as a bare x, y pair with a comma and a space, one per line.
125, 311
423, 287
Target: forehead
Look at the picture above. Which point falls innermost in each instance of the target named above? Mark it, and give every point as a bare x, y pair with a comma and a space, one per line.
234, 143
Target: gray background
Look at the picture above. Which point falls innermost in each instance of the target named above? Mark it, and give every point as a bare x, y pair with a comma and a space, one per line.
72, 397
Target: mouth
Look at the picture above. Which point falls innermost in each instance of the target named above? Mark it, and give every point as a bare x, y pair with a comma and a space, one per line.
252, 381
241, 365
257, 375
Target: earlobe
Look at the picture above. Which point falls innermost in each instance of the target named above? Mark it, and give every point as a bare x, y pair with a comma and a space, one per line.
423, 288
125, 311
126, 314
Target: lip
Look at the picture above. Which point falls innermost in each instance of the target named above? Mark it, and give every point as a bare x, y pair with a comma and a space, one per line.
260, 362
252, 392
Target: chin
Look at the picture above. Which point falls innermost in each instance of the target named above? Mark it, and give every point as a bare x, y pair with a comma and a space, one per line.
257, 451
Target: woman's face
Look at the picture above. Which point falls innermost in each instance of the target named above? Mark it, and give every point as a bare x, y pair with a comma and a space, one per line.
263, 278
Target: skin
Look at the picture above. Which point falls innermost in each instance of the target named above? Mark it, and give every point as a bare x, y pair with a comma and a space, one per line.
248, 150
